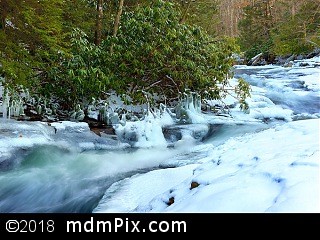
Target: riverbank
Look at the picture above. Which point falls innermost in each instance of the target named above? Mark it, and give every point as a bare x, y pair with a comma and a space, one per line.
265, 160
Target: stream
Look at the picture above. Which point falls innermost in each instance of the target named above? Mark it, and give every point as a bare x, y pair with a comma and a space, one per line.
51, 178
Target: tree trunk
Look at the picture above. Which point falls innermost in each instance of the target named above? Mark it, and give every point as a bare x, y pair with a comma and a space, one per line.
3, 14
117, 22
185, 12
98, 31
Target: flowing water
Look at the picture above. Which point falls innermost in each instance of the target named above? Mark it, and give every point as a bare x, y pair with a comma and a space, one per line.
49, 178
52, 179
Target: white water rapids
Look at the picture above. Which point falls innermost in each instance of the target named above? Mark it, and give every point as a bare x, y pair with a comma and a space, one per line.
70, 171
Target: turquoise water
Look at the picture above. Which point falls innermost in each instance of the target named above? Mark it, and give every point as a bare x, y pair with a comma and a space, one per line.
51, 179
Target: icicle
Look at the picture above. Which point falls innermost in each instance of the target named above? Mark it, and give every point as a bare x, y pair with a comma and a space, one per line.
191, 103
39, 109
113, 118
9, 112
123, 120
102, 114
197, 102
4, 109
5, 106
12, 105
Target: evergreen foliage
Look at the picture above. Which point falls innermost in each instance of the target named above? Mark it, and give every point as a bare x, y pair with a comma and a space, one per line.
154, 53
30, 37
299, 33
201, 13
279, 27
255, 30
156, 58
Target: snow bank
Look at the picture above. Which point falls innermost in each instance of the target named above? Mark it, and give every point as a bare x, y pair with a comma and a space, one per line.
275, 170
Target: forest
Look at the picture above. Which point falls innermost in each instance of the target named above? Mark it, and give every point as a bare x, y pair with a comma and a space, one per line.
60, 58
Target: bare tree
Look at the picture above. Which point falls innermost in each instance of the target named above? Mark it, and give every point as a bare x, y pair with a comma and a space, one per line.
117, 22
229, 15
98, 30
186, 11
